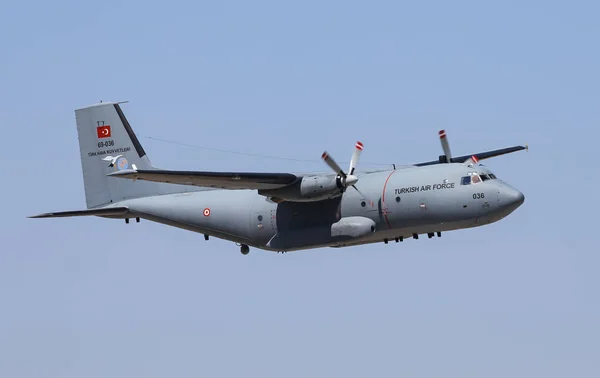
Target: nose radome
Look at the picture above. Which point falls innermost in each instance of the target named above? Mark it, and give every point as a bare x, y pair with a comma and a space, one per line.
518, 198
514, 198
509, 199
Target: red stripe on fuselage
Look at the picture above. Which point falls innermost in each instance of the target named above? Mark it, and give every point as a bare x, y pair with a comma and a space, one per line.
383, 210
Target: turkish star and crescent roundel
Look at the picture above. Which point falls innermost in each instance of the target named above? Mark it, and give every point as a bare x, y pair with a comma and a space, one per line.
103, 131
206, 212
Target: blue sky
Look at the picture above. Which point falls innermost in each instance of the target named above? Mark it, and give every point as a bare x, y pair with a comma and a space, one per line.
96, 298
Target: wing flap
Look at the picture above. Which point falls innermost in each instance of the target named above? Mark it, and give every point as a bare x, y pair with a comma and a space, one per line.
105, 212
223, 180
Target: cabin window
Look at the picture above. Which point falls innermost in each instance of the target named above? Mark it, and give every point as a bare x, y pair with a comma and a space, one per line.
466, 180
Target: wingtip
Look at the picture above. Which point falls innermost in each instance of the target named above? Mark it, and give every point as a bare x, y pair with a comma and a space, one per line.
44, 215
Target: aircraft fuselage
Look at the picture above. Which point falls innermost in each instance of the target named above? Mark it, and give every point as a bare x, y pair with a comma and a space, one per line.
397, 203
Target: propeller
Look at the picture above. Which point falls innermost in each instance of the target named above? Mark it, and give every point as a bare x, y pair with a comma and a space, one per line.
349, 179
445, 145
472, 160
332, 164
358, 147
447, 157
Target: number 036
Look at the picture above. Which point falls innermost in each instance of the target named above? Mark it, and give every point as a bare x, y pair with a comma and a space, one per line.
478, 195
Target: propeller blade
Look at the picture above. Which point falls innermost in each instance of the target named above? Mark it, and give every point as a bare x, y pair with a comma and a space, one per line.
368, 201
332, 164
359, 192
472, 160
445, 145
357, 150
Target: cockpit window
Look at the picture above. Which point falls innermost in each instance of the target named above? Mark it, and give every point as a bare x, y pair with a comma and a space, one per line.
493, 176
475, 178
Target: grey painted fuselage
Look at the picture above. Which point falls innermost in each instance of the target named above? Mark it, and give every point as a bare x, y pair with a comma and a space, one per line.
402, 202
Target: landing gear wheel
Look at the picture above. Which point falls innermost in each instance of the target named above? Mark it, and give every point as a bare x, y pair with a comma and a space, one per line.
244, 249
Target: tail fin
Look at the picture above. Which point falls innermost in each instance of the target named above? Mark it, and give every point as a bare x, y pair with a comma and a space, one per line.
107, 144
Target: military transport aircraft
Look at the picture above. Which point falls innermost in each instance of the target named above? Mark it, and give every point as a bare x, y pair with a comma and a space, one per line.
283, 211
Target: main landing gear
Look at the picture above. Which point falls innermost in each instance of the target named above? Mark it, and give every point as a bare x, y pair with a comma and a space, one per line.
244, 249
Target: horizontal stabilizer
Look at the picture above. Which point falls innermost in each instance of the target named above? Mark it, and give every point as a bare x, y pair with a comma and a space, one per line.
480, 156
223, 180
106, 212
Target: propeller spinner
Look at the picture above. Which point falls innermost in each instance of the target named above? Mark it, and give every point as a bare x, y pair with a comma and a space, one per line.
345, 179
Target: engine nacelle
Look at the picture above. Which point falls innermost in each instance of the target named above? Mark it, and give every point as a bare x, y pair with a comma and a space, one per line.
310, 188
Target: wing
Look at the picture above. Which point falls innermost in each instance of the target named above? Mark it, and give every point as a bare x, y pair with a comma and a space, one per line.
224, 180
480, 156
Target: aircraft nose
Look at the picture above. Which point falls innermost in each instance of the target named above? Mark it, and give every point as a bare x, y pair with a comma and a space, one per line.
516, 198
511, 198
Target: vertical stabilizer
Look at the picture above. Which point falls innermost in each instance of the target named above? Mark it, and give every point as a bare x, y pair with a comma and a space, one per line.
108, 144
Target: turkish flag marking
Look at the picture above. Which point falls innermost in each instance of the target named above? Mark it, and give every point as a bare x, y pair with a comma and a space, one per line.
103, 131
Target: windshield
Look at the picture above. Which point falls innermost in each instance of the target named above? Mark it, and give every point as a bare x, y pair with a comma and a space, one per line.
476, 178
